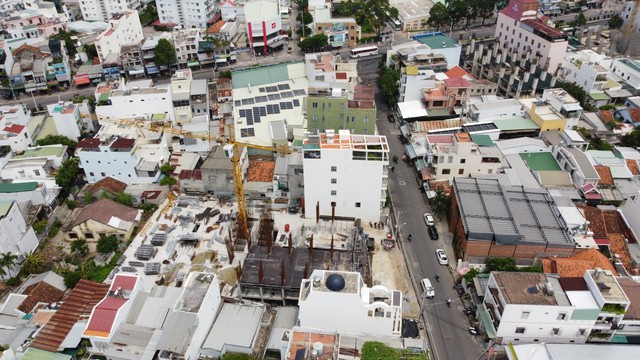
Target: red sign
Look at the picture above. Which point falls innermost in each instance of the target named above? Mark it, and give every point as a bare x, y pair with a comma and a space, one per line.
273, 25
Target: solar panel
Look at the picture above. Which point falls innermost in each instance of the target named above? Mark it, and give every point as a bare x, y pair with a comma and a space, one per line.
238, 102
296, 102
286, 105
260, 99
274, 97
249, 115
276, 109
299, 92
272, 89
248, 101
286, 94
284, 87
241, 112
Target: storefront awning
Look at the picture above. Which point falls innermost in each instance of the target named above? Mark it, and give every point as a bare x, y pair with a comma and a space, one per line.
277, 43
337, 44
136, 72
411, 152
193, 63
82, 81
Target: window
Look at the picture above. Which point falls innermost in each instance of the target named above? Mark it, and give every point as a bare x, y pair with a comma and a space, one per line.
334, 168
450, 159
88, 235
366, 119
334, 181
555, 331
462, 161
103, 174
314, 118
562, 316
36, 172
582, 332
520, 330
525, 314
446, 171
91, 174
461, 172
73, 235
314, 105
358, 204
334, 192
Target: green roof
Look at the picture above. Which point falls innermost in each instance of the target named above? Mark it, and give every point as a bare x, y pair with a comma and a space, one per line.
104, 96
598, 95
515, 123
437, 112
4, 207
482, 139
158, 117
540, 161
37, 354
40, 151
18, 187
260, 75
436, 40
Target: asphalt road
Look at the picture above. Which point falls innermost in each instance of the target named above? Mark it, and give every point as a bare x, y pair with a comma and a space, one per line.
447, 327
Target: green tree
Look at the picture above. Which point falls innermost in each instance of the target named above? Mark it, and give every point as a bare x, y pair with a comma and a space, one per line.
315, 42
472, 273
615, 22
305, 18
107, 244
71, 278
68, 173
388, 85
631, 139
598, 143
58, 140
166, 169
579, 21
236, 356
33, 263
577, 92
149, 14
148, 208
169, 181
91, 51
7, 262
485, 8
438, 16
65, 36
88, 198
124, 198
80, 247
40, 226
458, 10
500, 264
164, 53
441, 205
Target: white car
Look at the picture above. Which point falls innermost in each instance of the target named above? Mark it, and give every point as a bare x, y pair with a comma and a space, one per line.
427, 288
442, 257
428, 218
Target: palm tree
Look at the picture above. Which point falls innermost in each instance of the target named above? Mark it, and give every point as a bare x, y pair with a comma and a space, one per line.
7, 262
32, 263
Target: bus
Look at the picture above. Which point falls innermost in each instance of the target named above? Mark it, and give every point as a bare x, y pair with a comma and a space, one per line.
363, 51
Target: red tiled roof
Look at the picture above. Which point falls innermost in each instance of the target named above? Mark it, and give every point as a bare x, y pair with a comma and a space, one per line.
14, 129
634, 114
544, 28
124, 282
190, 175
458, 82
261, 171
40, 292
103, 210
606, 179
158, 23
150, 194
632, 290
633, 165
215, 28
456, 72
576, 265
341, 75
104, 315
606, 115
122, 143
109, 184
91, 143
78, 304
229, 2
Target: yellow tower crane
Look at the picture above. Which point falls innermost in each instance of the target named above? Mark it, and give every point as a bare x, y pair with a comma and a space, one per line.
281, 150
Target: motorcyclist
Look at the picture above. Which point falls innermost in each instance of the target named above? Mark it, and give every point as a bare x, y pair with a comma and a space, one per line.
437, 278
449, 302
409, 237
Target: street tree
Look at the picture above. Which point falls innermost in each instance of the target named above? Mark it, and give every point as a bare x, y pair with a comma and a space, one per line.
305, 18
164, 53
68, 173
314, 42
440, 205
485, 8
388, 85
458, 10
579, 21
438, 16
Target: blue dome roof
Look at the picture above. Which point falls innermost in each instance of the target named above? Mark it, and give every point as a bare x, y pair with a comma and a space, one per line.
335, 282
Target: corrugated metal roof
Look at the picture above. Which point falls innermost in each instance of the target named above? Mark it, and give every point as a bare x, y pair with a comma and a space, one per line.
236, 325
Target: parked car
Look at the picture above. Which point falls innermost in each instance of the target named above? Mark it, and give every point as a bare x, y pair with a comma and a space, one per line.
427, 288
433, 232
391, 118
442, 257
428, 218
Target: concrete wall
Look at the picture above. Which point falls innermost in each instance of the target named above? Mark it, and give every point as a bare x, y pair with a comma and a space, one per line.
333, 113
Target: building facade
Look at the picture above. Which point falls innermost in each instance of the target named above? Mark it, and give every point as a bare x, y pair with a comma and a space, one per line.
334, 166
187, 14
16, 236
103, 10
335, 109
264, 25
124, 29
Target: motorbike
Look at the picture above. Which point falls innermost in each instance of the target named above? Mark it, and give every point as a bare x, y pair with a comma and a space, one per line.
449, 302
409, 237
467, 311
437, 278
473, 330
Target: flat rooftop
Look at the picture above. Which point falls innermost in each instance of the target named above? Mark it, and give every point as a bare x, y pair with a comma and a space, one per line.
523, 288
540, 161
436, 40
609, 287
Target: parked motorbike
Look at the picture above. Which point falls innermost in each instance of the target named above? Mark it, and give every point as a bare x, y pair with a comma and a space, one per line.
473, 330
467, 311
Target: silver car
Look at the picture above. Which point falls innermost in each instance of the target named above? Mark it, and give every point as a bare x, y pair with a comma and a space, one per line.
442, 257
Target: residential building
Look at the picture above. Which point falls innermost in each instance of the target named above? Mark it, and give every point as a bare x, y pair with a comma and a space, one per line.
16, 237
339, 31
456, 154
413, 16
543, 114
534, 307
125, 29
525, 231
264, 25
580, 351
188, 15
34, 192
576, 162
629, 326
15, 136
577, 264
6, 60
288, 177
112, 311
190, 98
88, 74
134, 159
235, 329
628, 70
103, 10
131, 59
490, 110
590, 71
72, 314
32, 68
335, 109
135, 99
608, 159
262, 123
612, 303
425, 50
71, 120
413, 80
519, 30
333, 166
231, 10
186, 42
627, 14
106, 186
356, 308
32, 25
325, 69
102, 218
217, 170
565, 104
35, 164
148, 53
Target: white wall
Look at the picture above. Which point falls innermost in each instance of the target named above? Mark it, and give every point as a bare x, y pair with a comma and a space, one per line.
411, 86
15, 236
207, 313
628, 74
126, 30
18, 142
631, 212
137, 104
193, 14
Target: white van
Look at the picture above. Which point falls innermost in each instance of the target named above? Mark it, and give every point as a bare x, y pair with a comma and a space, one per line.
427, 288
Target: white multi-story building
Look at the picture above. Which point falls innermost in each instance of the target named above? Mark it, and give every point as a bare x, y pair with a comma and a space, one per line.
519, 30
264, 25
348, 172
191, 111
341, 301
185, 42
71, 119
565, 104
628, 69
587, 69
422, 50
452, 155
103, 10
489, 110
14, 135
16, 236
188, 14
125, 29
129, 154
136, 99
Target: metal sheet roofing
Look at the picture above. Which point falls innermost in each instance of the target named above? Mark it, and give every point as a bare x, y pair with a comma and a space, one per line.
508, 215
237, 325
